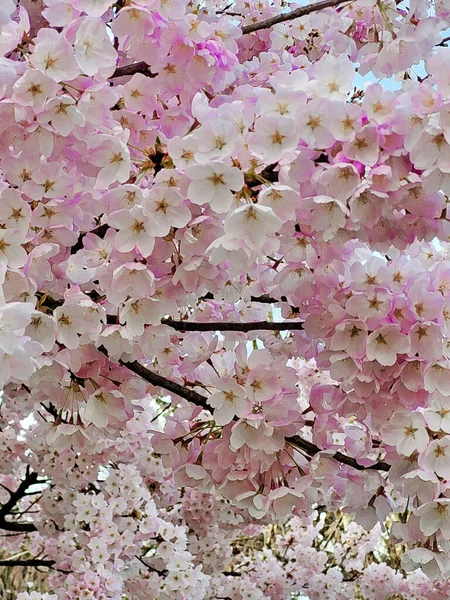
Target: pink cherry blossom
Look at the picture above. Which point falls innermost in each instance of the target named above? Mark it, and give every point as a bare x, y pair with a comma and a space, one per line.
93, 49
111, 154
273, 138
224, 300
385, 343
104, 407
54, 56
213, 184
252, 222
407, 433
434, 458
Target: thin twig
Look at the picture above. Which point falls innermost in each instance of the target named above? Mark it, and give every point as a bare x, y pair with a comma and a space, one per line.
161, 413
160, 572
221, 11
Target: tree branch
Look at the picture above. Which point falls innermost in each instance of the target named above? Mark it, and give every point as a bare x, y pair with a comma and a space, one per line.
202, 401
30, 479
144, 68
160, 572
52, 303
222, 10
311, 449
164, 572
30, 562
294, 14
139, 67
264, 299
444, 41
163, 382
228, 326
178, 325
167, 384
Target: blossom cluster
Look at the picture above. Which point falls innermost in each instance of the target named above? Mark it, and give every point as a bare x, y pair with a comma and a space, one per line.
175, 179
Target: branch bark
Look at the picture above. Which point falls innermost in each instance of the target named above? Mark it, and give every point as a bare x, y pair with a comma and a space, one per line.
294, 14
200, 400
139, 67
264, 299
178, 325
31, 562
311, 449
228, 326
167, 384
30, 479
143, 67
444, 41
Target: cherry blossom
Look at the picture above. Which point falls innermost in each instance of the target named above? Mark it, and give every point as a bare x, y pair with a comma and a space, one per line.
253, 223
407, 433
385, 343
229, 402
433, 516
224, 299
213, 184
104, 406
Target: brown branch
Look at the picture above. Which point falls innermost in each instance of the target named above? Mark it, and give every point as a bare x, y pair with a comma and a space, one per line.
164, 572
178, 325
99, 231
30, 562
160, 572
139, 67
222, 10
264, 299
30, 479
444, 41
52, 303
228, 326
202, 401
167, 384
144, 68
311, 449
294, 14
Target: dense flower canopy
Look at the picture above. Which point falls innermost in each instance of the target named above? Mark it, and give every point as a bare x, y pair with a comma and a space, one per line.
225, 298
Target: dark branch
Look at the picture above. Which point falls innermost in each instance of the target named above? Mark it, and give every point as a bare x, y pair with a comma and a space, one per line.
264, 299
51, 303
163, 382
167, 384
444, 41
224, 326
31, 562
294, 14
100, 231
160, 572
127, 70
311, 450
143, 67
37, 563
15, 497
200, 400
222, 10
